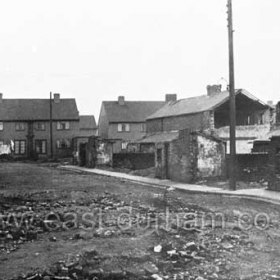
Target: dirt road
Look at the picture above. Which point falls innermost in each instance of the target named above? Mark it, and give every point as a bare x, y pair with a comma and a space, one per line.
63, 225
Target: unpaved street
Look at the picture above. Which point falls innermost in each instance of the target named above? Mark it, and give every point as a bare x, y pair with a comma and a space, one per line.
58, 224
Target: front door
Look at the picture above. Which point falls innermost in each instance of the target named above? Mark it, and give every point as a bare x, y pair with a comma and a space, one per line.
82, 154
166, 160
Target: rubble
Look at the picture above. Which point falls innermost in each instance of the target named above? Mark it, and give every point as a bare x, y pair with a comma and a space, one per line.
177, 251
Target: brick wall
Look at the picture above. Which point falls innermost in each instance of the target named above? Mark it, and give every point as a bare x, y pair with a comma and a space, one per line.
181, 158
199, 121
134, 160
210, 158
251, 167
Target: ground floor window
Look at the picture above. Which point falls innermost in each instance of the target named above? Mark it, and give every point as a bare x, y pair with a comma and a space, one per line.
41, 146
20, 147
124, 145
63, 144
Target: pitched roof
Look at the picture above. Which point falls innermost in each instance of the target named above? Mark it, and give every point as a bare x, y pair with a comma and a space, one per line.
131, 111
37, 109
198, 104
87, 122
169, 136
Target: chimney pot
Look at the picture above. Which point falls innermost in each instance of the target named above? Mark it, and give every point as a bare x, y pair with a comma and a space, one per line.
270, 102
170, 97
121, 100
56, 97
213, 89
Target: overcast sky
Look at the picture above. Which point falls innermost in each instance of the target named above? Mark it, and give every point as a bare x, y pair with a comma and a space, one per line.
98, 49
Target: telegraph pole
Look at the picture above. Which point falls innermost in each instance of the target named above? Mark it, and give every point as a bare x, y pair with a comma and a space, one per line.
232, 169
51, 126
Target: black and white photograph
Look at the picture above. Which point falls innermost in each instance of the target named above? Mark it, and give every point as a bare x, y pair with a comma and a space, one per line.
140, 140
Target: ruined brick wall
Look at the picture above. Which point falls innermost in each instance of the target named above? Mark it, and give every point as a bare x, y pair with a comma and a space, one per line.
210, 158
174, 160
190, 157
181, 158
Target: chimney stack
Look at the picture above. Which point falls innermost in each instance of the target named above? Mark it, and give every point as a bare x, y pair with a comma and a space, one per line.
1, 97
170, 97
214, 89
56, 97
270, 103
121, 100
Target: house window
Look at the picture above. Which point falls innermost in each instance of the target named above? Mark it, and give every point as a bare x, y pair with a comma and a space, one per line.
40, 126
20, 126
41, 146
20, 147
1, 126
63, 125
124, 145
63, 144
143, 127
123, 127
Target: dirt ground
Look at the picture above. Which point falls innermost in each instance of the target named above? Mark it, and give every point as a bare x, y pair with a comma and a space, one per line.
57, 224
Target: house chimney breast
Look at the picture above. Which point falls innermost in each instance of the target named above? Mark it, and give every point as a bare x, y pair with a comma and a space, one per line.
213, 89
170, 97
121, 100
56, 97
1, 97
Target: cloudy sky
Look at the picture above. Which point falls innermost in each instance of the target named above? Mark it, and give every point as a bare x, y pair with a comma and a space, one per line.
95, 50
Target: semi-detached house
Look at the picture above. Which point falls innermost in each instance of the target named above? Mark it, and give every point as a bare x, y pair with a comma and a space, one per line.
123, 121
27, 123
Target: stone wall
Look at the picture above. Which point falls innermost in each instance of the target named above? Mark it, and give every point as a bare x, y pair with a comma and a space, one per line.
210, 158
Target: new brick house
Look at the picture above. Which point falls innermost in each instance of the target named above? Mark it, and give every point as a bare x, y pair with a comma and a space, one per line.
26, 124
124, 121
210, 113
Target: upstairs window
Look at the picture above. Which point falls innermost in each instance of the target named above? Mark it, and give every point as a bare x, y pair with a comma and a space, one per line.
123, 127
40, 126
1, 126
63, 126
20, 126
